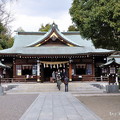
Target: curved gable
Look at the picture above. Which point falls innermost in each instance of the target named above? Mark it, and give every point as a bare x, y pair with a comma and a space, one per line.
53, 37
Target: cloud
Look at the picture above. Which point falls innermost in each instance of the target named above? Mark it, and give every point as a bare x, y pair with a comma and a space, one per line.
30, 23
49, 8
30, 14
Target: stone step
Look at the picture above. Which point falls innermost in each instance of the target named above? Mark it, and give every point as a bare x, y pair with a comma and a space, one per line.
51, 87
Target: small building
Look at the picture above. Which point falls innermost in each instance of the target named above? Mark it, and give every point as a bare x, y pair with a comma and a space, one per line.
35, 55
111, 68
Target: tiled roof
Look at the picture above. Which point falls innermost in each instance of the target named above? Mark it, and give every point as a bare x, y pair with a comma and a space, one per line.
24, 40
54, 50
110, 62
3, 66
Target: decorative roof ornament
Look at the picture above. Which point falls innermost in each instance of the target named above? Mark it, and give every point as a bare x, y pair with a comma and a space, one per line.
112, 59
53, 38
54, 26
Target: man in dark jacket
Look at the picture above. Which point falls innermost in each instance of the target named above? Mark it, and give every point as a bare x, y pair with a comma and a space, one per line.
66, 80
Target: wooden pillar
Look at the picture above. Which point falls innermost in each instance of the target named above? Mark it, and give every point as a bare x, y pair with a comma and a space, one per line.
70, 72
93, 70
42, 73
117, 80
38, 71
14, 68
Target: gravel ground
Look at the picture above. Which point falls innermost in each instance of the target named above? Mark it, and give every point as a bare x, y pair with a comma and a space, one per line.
12, 106
107, 107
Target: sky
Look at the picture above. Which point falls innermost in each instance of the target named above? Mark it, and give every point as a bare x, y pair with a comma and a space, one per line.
30, 14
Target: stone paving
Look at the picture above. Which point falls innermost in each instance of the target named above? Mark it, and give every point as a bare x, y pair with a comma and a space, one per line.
58, 106
52, 104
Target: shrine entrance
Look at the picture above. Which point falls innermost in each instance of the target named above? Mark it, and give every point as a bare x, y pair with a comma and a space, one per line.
47, 69
48, 73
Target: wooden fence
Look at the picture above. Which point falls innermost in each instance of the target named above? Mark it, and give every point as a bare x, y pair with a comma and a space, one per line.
8, 80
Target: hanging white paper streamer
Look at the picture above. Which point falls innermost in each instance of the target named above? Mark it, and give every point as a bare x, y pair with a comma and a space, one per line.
64, 65
51, 66
57, 66
47, 65
44, 65
60, 65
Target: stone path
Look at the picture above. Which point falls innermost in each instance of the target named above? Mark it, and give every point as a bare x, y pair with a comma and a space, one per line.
52, 104
58, 106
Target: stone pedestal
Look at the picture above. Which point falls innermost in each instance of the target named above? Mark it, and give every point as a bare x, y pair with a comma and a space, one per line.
1, 91
112, 88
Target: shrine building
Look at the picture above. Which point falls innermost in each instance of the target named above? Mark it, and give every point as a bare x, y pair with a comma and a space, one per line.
35, 55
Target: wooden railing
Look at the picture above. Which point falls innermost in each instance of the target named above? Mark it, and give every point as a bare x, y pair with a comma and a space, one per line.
85, 78
8, 80
101, 78
90, 78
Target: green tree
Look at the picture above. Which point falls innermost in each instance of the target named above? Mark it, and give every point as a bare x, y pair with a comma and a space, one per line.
44, 28
6, 17
98, 20
6, 40
73, 28
20, 29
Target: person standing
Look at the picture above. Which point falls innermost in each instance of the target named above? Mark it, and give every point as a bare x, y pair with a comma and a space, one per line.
53, 76
63, 74
66, 80
58, 79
